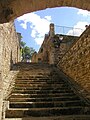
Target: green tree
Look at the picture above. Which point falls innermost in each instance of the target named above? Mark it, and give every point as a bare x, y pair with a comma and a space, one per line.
22, 44
26, 51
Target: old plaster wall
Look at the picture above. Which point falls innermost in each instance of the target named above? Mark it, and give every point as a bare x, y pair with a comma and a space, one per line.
9, 54
76, 62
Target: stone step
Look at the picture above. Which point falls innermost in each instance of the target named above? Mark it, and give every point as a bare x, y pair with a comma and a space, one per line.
30, 99
40, 85
25, 65
65, 117
46, 104
39, 82
33, 66
19, 95
32, 77
36, 70
41, 112
40, 69
41, 88
42, 91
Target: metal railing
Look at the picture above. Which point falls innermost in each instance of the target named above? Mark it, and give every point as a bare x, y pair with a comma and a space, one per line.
68, 30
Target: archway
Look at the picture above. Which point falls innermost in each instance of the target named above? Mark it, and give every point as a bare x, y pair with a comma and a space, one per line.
11, 9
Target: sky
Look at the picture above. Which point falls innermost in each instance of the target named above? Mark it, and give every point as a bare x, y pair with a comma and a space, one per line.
33, 26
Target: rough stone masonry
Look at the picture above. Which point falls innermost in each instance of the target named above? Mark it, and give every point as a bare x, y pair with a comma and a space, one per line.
76, 62
9, 54
9, 9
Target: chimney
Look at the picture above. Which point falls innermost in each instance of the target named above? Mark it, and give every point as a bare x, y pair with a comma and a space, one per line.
51, 31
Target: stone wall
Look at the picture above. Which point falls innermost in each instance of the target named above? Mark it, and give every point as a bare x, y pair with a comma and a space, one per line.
72, 56
9, 54
46, 52
76, 62
10, 47
9, 9
34, 56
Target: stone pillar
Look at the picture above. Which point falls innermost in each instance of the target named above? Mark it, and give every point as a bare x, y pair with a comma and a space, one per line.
1, 96
51, 31
1, 61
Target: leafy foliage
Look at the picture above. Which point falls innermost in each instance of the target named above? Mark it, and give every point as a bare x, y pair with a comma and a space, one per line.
22, 44
26, 51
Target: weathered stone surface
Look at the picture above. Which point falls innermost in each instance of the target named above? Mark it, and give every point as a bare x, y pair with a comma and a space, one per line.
9, 9
9, 54
76, 62
54, 47
41, 90
1, 96
10, 49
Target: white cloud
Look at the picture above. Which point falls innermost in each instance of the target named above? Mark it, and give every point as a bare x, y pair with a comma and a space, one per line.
39, 40
85, 13
38, 25
48, 18
78, 28
34, 33
24, 25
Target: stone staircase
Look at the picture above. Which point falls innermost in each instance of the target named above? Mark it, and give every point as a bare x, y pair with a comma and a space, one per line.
40, 93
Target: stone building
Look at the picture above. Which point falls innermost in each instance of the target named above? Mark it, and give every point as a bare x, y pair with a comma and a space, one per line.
53, 47
72, 56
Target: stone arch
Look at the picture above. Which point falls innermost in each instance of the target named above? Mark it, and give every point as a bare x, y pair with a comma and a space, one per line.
11, 9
